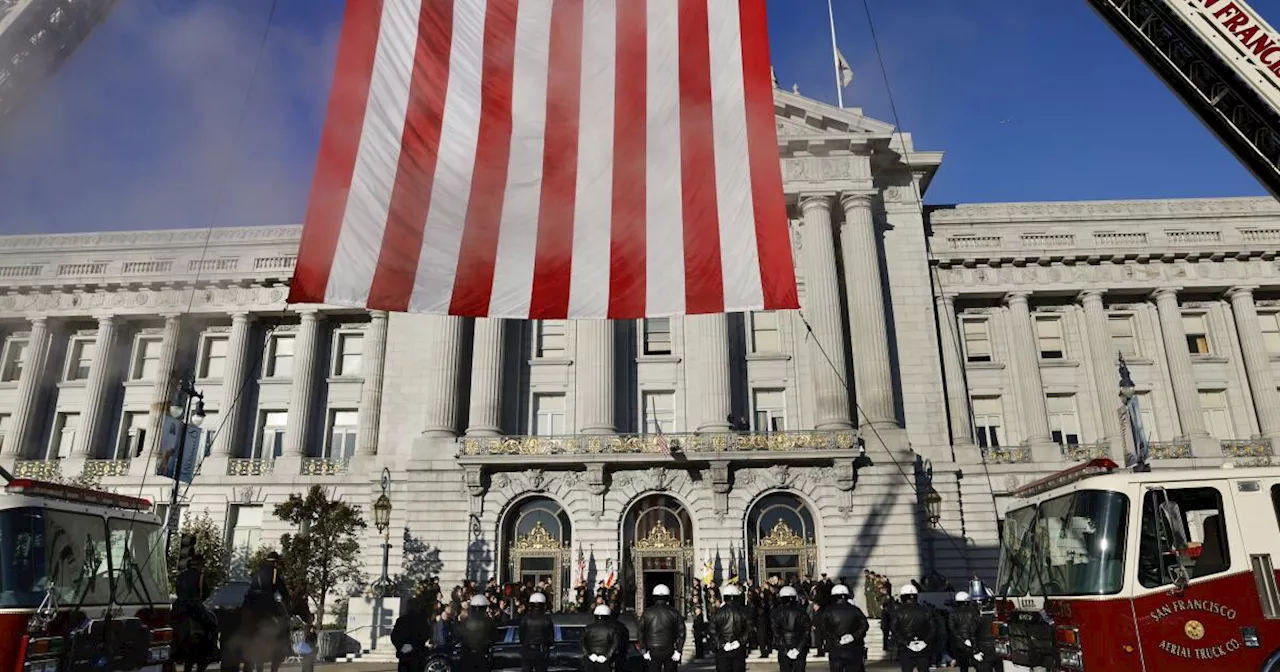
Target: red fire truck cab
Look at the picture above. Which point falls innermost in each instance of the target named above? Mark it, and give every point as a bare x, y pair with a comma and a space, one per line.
1104, 569
83, 581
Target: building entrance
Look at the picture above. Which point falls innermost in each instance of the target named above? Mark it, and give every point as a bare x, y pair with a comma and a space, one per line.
658, 543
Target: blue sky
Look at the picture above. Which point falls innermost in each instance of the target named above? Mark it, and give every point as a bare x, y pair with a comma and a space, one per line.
143, 128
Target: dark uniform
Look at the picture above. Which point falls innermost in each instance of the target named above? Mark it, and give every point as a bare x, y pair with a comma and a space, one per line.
537, 634
790, 627
731, 626
661, 635
477, 633
962, 625
913, 622
412, 630
844, 632
985, 644
601, 639
624, 636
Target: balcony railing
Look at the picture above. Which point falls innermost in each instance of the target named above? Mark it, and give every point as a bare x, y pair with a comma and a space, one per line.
1249, 453
250, 467
1007, 455
1086, 451
1170, 450
41, 470
324, 466
100, 468
639, 444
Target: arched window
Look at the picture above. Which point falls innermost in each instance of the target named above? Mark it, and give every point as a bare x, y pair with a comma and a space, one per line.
657, 546
782, 538
537, 536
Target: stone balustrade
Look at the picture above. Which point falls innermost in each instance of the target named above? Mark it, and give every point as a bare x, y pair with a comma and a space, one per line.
1007, 454
250, 467
100, 468
1249, 453
1087, 451
705, 444
1179, 449
40, 470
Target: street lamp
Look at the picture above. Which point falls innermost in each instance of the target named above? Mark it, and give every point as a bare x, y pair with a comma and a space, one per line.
181, 409
382, 521
933, 507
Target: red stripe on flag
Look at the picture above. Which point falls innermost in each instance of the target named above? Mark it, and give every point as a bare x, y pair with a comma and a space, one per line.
397, 268
773, 239
473, 282
627, 266
553, 258
704, 278
339, 144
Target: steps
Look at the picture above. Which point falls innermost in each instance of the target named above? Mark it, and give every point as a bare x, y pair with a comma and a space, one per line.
377, 656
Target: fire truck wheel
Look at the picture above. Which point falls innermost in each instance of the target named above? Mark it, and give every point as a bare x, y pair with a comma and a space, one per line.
1273, 663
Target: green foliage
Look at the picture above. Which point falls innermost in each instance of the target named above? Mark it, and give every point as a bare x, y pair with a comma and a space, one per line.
209, 543
325, 553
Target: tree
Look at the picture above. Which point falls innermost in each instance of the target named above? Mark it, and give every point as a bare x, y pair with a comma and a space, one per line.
325, 553
421, 562
209, 543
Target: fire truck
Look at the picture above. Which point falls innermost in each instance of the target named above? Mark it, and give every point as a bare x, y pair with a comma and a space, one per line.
1117, 570
83, 581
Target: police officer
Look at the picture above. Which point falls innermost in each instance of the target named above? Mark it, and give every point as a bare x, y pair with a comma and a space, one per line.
962, 624
790, 626
600, 645
537, 634
661, 632
984, 650
844, 630
730, 630
477, 634
624, 636
912, 630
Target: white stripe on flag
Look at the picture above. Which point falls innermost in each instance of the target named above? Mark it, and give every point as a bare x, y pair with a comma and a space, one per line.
365, 220
664, 227
460, 131
739, 259
518, 232
589, 277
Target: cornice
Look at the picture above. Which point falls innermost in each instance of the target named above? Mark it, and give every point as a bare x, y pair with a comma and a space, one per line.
1057, 277
1070, 211
165, 238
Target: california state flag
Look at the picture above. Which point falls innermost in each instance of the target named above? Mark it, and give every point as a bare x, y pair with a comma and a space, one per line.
549, 159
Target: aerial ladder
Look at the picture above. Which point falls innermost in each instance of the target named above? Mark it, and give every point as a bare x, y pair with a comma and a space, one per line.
1222, 59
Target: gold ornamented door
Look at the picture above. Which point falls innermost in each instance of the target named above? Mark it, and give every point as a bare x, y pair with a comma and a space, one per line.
784, 554
538, 556
660, 558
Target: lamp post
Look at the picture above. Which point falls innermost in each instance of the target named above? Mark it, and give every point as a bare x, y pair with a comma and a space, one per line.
933, 507
382, 521
181, 409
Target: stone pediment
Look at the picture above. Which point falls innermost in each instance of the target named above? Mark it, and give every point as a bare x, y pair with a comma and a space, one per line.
797, 116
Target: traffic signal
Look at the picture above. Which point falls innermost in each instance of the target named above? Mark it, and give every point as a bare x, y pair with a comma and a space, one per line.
186, 552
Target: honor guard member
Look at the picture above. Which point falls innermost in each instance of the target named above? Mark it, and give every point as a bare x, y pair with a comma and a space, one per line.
624, 636
962, 624
477, 634
912, 630
844, 631
661, 632
730, 630
600, 645
984, 650
790, 626
537, 634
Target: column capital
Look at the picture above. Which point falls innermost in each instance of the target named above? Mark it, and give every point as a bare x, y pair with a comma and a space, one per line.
1090, 295
1166, 292
856, 199
1017, 296
242, 316
1241, 291
171, 317
378, 314
38, 319
816, 200
948, 298
105, 320
309, 314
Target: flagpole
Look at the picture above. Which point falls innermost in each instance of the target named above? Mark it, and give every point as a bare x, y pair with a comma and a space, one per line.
835, 54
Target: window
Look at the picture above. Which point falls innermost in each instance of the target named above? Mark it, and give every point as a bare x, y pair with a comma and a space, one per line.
1063, 425
271, 443
280, 357
1123, 337
76, 553
550, 340
1068, 545
548, 414
658, 412
1271, 332
213, 363
764, 332
64, 435
988, 421
6, 423
977, 340
80, 359
138, 568
133, 430
344, 427
1148, 414
15, 355
350, 360
1202, 516
1197, 334
146, 361
657, 336
208, 428
244, 535
1049, 335
1217, 421
770, 410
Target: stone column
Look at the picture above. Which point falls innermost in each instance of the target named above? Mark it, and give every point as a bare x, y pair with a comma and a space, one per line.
708, 383
953, 363
302, 391
375, 355
1257, 362
444, 349
822, 309
1025, 361
1105, 366
595, 376
485, 415
1185, 393
233, 380
97, 390
166, 380
870, 335
29, 388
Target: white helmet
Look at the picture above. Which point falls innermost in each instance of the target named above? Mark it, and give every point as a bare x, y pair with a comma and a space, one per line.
908, 590
602, 610
479, 601
730, 591
962, 596
537, 598
661, 590
787, 591
839, 589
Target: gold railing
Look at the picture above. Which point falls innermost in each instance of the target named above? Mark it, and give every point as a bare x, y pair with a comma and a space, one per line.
43, 470
250, 467
1249, 453
100, 468
1179, 449
1007, 455
1083, 452
323, 466
631, 444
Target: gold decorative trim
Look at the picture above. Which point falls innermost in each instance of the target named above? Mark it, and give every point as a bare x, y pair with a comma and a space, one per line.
537, 539
659, 537
782, 536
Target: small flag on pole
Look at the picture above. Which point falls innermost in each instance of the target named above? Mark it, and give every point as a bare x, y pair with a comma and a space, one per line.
663, 444
846, 72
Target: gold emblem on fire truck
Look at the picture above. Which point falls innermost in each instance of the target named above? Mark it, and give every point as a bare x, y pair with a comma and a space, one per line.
1194, 629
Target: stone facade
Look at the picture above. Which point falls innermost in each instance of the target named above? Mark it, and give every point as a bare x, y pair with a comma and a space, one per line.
504, 439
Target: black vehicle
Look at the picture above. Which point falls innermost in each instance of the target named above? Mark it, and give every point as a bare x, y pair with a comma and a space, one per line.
566, 654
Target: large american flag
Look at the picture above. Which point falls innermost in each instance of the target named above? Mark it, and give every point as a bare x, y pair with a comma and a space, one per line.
549, 159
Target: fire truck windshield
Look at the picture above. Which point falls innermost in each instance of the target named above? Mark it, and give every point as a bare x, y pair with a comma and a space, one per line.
1068, 545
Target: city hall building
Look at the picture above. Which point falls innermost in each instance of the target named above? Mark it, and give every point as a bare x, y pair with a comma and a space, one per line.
965, 350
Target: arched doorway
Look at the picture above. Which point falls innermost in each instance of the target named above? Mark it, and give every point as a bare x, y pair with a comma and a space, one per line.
538, 535
782, 538
657, 541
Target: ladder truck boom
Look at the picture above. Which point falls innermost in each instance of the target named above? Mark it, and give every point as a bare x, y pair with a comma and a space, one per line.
1222, 59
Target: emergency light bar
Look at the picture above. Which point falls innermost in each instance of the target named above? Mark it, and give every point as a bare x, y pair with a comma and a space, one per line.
1067, 476
68, 493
